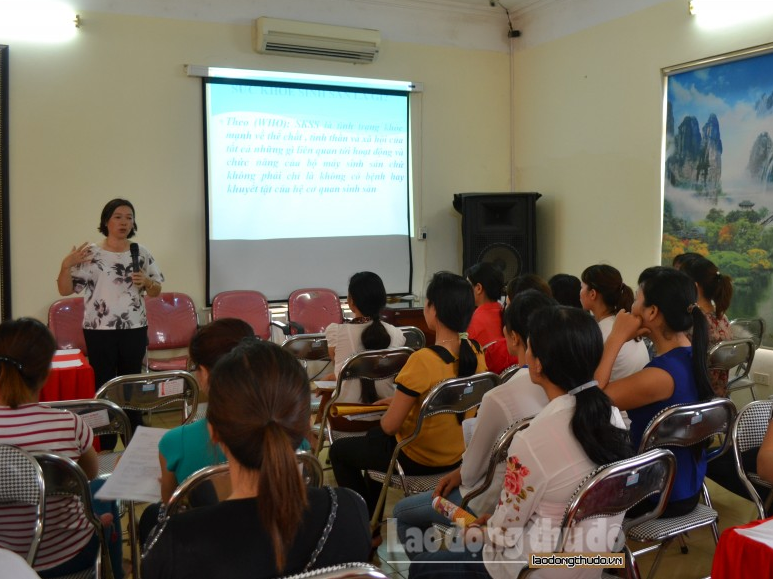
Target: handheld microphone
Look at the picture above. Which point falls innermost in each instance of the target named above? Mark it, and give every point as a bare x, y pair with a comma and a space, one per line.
134, 249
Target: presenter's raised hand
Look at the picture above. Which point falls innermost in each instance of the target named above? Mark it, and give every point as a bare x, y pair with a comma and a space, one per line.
77, 256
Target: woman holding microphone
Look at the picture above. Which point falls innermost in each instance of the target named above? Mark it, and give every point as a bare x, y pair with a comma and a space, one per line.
114, 274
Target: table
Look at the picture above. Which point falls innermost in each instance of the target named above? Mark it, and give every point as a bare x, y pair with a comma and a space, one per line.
745, 551
67, 382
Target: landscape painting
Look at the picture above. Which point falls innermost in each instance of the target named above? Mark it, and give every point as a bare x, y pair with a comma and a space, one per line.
718, 173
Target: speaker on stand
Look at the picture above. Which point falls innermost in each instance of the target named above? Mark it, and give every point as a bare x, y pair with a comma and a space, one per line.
499, 228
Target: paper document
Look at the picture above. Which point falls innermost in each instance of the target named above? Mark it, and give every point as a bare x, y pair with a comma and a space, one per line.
68, 352
137, 476
468, 428
66, 363
325, 384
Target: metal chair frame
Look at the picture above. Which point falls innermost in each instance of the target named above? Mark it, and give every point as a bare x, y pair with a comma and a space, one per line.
307, 347
753, 328
452, 396
414, 337
21, 482
342, 571
63, 477
180, 500
614, 488
685, 425
508, 373
748, 431
738, 354
372, 364
113, 421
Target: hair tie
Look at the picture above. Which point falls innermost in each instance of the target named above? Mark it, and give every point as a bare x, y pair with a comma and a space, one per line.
576, 390
691, 307
15, 363
463, 335
719, 274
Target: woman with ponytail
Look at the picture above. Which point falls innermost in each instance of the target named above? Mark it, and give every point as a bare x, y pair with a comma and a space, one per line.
715, 290
440, 445
271, 524
666, 310
366, 298
577, 431
603, 294
69, 544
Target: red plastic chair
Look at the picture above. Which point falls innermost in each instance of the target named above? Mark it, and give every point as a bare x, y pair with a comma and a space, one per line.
247, 305
65, 320
311, 310
172, 322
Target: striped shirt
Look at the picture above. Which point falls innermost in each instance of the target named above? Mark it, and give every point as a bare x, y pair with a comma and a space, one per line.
37, 427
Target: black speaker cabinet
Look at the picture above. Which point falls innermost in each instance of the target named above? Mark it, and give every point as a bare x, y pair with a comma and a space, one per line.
499, 228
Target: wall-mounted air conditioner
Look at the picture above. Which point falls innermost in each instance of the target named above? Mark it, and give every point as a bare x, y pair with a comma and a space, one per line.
310, 40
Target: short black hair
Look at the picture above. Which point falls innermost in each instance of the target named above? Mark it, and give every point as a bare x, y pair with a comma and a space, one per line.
489, 277
107, 213
566, 289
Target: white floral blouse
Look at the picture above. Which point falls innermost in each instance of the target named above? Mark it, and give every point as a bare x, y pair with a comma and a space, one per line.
112, 301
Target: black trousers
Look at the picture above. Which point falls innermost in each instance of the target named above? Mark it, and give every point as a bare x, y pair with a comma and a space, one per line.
116, 353
351, 456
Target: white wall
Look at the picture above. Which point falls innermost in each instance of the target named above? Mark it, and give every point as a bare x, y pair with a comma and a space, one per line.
588, 117
112, 114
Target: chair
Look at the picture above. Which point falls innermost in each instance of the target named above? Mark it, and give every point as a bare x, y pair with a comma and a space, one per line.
307, 347
65, 320
686, 426
214, 482
64, 478
172, 322
508, 373
730, 354
613, 489
105, 418
748, 430
342, 571
452, 396
248, 305
311, 310
414, 337
372, 364
753, 328
173, 389
21, 483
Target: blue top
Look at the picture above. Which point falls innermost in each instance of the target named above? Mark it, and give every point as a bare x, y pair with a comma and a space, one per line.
689, 470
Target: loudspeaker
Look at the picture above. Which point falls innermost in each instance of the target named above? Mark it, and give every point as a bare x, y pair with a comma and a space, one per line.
499, 228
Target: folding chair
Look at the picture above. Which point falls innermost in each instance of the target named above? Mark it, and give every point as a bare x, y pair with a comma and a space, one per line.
64, 478
753, 328
687, 426
508, 373
65, 320
172, 322
21, 484
748, 430
248, 305
214, 482
105, 418
611, 490
738, 354
169, 390
307, 347
370, 364
342, 571
453, 396
414, 337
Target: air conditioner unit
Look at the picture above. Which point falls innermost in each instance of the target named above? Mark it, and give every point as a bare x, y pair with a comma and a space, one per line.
310, 40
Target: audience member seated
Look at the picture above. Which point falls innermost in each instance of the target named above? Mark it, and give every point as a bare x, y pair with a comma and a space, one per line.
526, 281
271, 524
69, 543
188, 448
440, 445
603, 293
487, 283
576, 432
715, 290
665, 310
366, 298
566, 289
506, 404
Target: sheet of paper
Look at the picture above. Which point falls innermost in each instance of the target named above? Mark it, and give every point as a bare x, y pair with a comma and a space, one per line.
66, 363
762, 533
69, 352
325, 384
468, 428
137, 476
